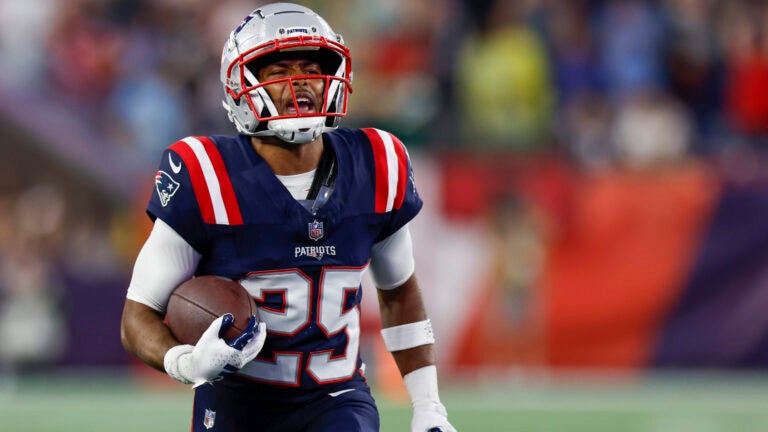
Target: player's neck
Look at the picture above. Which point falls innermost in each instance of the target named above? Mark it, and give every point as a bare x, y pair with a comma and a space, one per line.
289, 159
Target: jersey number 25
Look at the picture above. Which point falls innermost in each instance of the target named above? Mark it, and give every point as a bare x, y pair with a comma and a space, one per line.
336, 284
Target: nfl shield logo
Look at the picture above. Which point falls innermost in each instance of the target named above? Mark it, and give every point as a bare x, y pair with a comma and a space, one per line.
315, 230
210, 418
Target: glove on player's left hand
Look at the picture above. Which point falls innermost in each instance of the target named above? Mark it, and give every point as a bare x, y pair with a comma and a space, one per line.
430, 416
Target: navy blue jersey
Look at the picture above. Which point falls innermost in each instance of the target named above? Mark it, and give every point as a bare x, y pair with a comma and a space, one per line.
302, 268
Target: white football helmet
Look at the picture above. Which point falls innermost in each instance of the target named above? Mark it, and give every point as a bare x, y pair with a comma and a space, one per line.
270, 32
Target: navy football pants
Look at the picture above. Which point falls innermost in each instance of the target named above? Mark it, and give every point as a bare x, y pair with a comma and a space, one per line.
219, 409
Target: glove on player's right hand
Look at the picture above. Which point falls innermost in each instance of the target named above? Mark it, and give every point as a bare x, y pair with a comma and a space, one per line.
212, 357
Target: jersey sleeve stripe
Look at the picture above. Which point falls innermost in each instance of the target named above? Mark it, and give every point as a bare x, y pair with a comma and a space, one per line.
380, 166
392, 172
402, 171
196, 178
210, 181
227, 191
391, 164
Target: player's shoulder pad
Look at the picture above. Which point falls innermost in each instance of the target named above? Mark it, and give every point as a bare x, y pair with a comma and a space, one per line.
392, 169
200, 157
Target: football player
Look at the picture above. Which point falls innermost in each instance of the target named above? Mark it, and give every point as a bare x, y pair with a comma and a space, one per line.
296, 209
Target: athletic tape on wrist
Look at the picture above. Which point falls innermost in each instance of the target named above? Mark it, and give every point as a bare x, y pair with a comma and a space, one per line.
422, 386
407, 336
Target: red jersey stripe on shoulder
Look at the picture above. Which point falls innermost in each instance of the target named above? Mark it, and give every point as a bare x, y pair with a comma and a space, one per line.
381, 169
197, 179
210, 181
227, 191
391, 164
402, 171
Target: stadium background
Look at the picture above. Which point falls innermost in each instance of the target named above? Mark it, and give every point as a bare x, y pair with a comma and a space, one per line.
594, 242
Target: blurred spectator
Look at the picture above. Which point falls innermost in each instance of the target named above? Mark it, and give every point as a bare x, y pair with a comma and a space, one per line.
504, 93
517, 229
574, 54
456, 25
149, 113
743, 28
585, 130
24, 31
695, 65
396, 58
631, 40
31, 316
651, 130
83, 49
494, 73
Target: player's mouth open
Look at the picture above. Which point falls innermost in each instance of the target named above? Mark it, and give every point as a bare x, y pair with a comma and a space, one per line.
304, 104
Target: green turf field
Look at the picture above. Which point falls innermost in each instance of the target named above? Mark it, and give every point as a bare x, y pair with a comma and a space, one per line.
107, 402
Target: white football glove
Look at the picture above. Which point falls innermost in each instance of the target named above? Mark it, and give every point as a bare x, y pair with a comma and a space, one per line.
430, 417
213, 357
429, 414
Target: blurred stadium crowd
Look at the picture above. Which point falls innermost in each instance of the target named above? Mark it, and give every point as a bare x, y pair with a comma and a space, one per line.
92, 90
527, 75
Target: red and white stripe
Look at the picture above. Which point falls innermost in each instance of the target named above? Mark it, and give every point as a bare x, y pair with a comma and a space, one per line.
391, 165
210, 181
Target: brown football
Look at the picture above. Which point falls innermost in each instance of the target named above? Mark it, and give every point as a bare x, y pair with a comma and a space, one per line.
197, 302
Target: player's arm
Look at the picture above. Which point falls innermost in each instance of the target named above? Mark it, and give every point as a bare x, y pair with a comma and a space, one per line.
404, 306
144, 334
406, 329
165, 261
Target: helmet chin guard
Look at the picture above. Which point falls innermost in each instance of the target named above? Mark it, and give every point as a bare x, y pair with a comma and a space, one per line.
271, 33
296, 130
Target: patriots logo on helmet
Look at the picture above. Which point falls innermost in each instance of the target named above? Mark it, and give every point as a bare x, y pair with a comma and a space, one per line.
165, 186
245, 21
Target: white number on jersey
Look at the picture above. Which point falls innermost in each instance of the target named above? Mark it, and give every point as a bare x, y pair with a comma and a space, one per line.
294, 316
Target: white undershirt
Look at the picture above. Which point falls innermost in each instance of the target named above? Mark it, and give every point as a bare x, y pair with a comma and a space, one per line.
166, 259
298, 184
